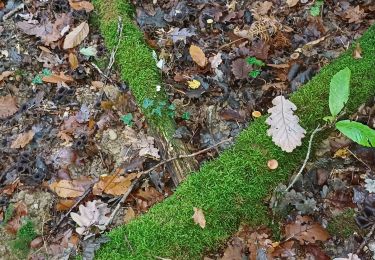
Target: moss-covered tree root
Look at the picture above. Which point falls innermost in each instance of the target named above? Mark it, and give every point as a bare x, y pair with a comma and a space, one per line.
138, 68
233, 187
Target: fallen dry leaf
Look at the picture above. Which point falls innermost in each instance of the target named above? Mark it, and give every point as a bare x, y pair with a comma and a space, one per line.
54, 78
199, 218
73, 61
292, 3
285, 129
198, 55
76, 36
113, 185
235, 250
262, 8
305, 230
5, 74
241, 68
23, 139
67, 189
355, 14
81, 5
8, 106
357, 52
129, 215
64, 205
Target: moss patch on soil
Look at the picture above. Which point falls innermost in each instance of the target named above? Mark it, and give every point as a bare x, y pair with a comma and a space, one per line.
343, 225
231, 188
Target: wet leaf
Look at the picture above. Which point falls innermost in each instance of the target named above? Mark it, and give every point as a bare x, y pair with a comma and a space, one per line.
8, 106
199, 217
23, 139
285, 129
198, 55
76, 36
305, 230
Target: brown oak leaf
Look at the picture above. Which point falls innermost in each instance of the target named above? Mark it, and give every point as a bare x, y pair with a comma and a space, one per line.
8, 106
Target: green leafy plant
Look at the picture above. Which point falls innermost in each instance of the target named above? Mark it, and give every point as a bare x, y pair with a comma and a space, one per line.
258, 64
338, 97
316, 8
157, 109
38, 78
127, 119
186, 116
8, 214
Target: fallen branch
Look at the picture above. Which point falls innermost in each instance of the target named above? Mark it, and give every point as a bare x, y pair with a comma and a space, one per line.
317, 129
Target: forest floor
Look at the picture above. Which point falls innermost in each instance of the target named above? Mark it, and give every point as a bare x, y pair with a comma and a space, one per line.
68, 121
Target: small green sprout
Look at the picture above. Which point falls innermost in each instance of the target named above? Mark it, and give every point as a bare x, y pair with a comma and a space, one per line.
258, 64
127, 119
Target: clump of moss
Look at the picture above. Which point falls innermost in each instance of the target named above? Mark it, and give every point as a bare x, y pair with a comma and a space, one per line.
24, 236
343, 225
8, 214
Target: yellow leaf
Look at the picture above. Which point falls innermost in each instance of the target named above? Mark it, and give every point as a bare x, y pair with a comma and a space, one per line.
341, 153
73, 61
198, 55
194, 84
113, 185
76, 36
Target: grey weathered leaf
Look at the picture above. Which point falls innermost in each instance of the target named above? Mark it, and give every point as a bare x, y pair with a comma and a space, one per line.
285, 129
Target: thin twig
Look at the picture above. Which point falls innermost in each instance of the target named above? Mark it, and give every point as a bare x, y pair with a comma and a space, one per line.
369, 234
228, 44
355, 156
317, 129
186, 156
124, 197
144, 173
15, 10
73, 207
114, 50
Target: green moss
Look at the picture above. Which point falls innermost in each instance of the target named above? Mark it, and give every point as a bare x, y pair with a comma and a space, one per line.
8, 213
231, 188
24, 236
134, 59
343, 225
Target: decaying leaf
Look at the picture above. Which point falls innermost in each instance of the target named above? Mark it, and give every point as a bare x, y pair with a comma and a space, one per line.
47, 32
199, 218
64, 204
292, 3
5, 74
235, 250
73, 61
76, 36
81, 5
305, 230
23, 139
285, 129
8, 106
216, 60
129, 215
241, 69
357, 52
355, 14
113, 185
198, 55
54, 78
67, 189
93, 214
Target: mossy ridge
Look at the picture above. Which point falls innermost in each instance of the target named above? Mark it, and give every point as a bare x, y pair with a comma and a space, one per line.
229, 189
133, 58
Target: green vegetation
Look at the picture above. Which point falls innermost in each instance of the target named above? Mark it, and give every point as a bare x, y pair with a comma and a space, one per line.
8, 213
343, 225
258, 64
316, 8
231, 188
127, 119
24, 236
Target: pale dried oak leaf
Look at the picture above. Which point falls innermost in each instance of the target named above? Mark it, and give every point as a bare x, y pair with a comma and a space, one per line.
198, 55
285, 129
8, 106
76, 36
23, 139
199, 218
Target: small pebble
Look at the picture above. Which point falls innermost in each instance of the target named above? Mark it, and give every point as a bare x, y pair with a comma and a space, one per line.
112, 135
